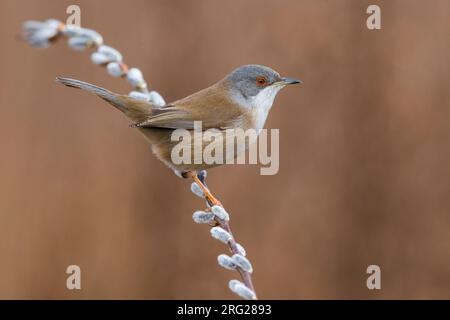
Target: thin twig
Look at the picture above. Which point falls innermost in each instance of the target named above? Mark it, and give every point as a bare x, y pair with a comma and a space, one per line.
225, 225
43, 34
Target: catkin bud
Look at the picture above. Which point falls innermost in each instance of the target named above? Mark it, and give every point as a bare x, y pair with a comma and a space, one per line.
220, 213
38, 34
79, 43
220, 234
135, 78
139, 95
226, 262
99, 58
114, 69
203, 217
241, 290
197, 190
112, 54
241, 249
156, 99
242, 262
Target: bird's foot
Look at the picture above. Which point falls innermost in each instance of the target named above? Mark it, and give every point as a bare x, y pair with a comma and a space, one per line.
200, 180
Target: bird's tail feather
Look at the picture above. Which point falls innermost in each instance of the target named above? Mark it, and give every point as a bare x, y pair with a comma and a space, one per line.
111, 97
134, 109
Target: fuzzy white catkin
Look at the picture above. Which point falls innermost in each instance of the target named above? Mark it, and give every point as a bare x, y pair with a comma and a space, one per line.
242, 262
38, 33
53, 23
49, 25
39, 39
139, 95
156, 99
220, 213
220, 234
135, 78
46, 33
99, 58
197, 190
114, 69
112, 54
153, 97
241, 249
226, 262
203, 217
91, 36
79, 43
241, 290
71, 30
32, 25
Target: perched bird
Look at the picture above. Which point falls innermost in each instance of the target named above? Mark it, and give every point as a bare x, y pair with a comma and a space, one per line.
241, 100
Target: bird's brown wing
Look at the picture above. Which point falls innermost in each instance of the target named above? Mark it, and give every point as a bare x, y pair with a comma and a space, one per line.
212, 106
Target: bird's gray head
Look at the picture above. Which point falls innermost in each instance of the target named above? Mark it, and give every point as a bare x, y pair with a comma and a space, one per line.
255, 85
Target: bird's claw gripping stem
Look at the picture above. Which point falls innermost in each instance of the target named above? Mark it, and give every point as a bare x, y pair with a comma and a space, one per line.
208, 195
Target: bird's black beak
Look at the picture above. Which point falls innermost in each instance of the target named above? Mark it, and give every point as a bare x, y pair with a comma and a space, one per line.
291, 81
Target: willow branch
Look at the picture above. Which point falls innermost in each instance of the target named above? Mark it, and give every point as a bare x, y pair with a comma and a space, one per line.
216, 216
43, 34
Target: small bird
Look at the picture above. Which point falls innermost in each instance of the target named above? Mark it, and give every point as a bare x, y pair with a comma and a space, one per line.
241, 100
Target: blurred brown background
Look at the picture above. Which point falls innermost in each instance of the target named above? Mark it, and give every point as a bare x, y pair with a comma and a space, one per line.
364, 166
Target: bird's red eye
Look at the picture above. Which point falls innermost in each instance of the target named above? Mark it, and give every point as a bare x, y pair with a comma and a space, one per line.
261, 81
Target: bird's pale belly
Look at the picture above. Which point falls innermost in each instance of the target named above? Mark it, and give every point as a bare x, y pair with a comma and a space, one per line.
186, 150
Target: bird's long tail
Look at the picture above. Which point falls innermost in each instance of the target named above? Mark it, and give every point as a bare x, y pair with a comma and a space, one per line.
134, 109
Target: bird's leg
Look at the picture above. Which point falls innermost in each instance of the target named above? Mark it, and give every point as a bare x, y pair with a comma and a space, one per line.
199, 178
208, 195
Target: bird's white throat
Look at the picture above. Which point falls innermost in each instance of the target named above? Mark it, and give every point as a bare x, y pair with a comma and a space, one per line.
261, 104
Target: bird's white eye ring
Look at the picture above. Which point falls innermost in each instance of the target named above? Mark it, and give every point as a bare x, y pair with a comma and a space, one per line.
261, 81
